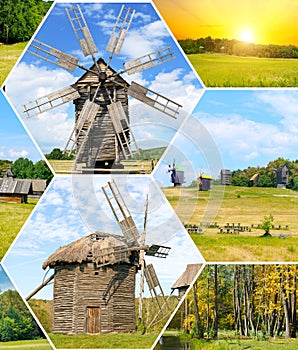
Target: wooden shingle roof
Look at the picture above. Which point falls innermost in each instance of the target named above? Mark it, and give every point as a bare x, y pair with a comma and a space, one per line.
188, 276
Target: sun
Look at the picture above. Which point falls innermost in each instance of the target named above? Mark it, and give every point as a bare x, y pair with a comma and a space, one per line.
246, 35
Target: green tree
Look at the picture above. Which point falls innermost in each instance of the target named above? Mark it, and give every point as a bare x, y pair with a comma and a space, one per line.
19, 19
23, 168
42, 171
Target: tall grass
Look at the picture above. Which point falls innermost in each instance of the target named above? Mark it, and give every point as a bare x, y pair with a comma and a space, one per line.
219, 70
9, 55
12, 218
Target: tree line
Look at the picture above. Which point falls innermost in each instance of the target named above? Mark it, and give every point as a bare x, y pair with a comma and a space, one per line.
236, 47
257, 301
16, 322
24, 168
20, 18
267, 174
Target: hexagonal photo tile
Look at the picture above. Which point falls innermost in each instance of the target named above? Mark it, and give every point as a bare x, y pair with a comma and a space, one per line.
236, 306
101, 255
237, 44
18, 328
24, 175
108, 85
234, 179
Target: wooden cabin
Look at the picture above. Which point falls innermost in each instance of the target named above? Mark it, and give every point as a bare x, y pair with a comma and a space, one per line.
282, 176
186, 279
225, 177
94, 285
253, 181
204, 182
101, 150
14, 190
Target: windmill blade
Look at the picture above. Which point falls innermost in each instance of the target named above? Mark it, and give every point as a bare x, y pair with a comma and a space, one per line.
83, 125
52, 55
159, 251
150, 60
142, 261
122, 129
120, 30
155, 288
50, 101
81, 30
121, 213
154, 99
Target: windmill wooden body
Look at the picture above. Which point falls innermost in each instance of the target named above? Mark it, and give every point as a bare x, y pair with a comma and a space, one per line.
102, 135
95, 276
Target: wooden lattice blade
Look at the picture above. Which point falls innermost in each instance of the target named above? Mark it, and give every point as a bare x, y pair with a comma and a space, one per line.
150, 60
52, 55
50, 101
154, 99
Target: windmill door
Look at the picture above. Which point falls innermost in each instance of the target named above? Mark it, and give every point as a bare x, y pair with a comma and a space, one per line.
93, 320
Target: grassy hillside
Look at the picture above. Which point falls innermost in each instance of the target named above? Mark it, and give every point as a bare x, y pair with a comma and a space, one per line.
12, 218
246, 206
219, 70
40, 344
9, 55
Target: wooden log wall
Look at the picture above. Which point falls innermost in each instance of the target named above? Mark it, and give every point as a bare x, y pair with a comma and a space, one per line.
79, 287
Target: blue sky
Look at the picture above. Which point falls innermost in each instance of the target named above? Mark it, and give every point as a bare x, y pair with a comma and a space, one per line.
5, 282
74, 206
235, 129
174, 79
15, 141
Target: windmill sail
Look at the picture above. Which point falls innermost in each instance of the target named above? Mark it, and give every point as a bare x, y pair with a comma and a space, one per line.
154, 285
52, 55
150, 60
50, 101
121, 213
122, 129
81, 130
81, 30
120, 30
154, 99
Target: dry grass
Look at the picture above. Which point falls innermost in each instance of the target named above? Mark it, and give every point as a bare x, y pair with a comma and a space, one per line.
246, 206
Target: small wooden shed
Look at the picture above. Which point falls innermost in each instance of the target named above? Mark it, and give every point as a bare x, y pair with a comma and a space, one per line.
204, 182
186, 279
254, 180
282, 176
225, 177
101, 150
94, 285
14, 190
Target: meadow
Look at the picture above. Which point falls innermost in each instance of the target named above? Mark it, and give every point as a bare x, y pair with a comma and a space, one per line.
9, 55
39, 344
227, 342
104, 341
12, 218
220, 70
246, 206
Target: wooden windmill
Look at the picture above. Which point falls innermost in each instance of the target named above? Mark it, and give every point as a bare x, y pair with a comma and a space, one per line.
95, 276
101, 135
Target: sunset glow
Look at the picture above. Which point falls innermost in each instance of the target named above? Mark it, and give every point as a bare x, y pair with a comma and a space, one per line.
263, 22
247, 36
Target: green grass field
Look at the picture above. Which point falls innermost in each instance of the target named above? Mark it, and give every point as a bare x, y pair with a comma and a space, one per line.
40, 344
246, 206
12, 218
219, 70
103, 341
9, 55
227, 342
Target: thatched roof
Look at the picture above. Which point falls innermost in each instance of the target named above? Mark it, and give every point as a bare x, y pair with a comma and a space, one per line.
99, 247
188, 276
